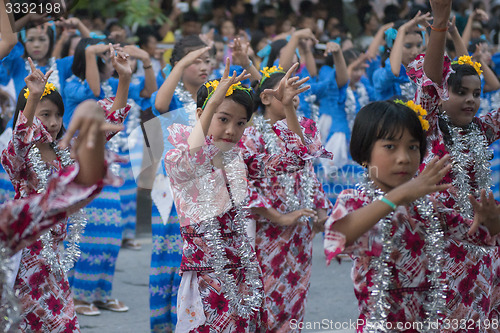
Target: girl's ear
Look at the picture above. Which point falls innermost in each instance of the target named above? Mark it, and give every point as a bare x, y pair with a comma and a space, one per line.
265, 98
199, 111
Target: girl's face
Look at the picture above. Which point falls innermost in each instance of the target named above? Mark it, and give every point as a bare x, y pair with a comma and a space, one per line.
228, 123
412, 47
464, 103
227, 29
50, 116
197, 73
37, 44
357, 73
108, 70
395, 161
219, 52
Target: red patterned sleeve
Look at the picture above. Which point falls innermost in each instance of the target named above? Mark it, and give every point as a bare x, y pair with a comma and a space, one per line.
23, 220
23, 138
295, 155
114, 117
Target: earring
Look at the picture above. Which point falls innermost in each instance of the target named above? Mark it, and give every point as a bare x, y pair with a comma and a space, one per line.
364, 165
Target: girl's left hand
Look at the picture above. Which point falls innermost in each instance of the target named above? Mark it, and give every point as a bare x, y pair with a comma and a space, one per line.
486, 212
420, 19
240, 53
331, 47
288, 87
225, 82
36, 80
120, 62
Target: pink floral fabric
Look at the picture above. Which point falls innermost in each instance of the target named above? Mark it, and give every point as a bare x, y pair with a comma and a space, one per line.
408, 264
284, 253
474, 269
46, 299
189, 176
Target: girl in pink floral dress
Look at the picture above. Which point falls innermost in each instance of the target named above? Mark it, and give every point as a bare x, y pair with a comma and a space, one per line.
221, 286
288, 209
450, 92
30, 157
392, 230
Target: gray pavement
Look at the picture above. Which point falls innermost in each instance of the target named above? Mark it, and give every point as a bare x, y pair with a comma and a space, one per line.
331, 302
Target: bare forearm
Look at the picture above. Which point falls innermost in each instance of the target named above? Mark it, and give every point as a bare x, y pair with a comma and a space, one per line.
310, 63
434, 57
458, 42
490, 79
396, 56
341, 75
286, 59
166, 91
149, 79
92, 73
269, 213
9, 37
293, 122
121, 93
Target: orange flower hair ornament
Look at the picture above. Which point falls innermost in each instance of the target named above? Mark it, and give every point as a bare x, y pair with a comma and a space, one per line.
467, 60
49, 88
419, 110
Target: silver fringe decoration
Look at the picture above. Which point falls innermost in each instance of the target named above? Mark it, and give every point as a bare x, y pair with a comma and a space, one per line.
434, 250
408, 89
54, 77
311, 100
350, 102
287, 181
187, 100
243, 305
76, 221
9, 308
469, 149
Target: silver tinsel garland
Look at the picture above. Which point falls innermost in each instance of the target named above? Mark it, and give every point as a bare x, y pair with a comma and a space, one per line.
76, 221
54, 77
287, 181
311, 100
469, 148
246, 304
10, 308
408, 89
350, 102
434, 250
188, 102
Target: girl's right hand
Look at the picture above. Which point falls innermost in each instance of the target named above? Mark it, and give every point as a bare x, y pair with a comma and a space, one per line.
441, 11
192, 56
36, 80
288, 87
486, 212
100, 49
294, 217
426, 182
419, 20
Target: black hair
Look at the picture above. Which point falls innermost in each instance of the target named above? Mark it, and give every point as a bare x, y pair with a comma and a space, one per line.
350, 55
276, 47
257, 36
143, 38
54, 97
190, 16
268, 83
185, 45
455, 79
238, 96
66, 46
383, 120
79, 63
50, 35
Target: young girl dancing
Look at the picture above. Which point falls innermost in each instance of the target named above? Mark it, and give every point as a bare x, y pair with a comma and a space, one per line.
41, 280
395, 234
190, 68
454, 130
23, 220
221, 287
288, 209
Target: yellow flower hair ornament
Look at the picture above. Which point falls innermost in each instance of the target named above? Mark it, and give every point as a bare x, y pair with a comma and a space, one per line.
419, 111
467, 60
212, 86
267, 71
49, 88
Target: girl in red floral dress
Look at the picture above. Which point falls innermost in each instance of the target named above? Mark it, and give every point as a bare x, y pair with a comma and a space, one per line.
30, 157
221, 286
392, 230
288, 210
450, 92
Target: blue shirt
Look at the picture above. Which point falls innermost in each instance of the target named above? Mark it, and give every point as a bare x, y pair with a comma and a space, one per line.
386, 84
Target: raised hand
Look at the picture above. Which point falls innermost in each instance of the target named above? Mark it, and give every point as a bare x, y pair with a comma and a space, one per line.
441, 12
240, 53
192, 56
135, 52
225, 82
36, 80
331, 47
288, 87
88, 120
119, 59
486, 212
420, 21
427, 181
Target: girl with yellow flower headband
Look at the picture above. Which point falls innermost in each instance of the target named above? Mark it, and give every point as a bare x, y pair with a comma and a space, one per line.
31, 157
450, 93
